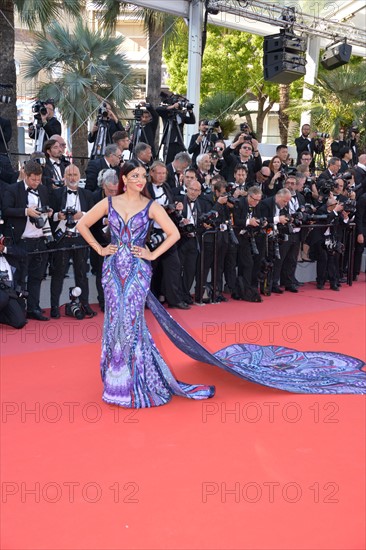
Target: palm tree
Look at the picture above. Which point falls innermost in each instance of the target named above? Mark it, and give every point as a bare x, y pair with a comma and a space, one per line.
32, 12
339, 99
81, 68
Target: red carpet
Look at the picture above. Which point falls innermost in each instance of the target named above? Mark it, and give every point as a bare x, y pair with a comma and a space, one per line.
253, 468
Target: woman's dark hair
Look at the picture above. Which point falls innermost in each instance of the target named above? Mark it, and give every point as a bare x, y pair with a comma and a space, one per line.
125, 170
271, 163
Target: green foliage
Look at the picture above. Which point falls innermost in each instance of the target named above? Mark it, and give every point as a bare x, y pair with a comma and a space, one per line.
80, 68
339, 99
33, 12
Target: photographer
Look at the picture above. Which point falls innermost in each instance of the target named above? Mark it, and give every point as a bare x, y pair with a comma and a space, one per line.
276, 211
105, 116
112, 159
69, 204
27, 213
7, 172
325, 244
142, 154
244, 152
12, 304
204, 140
54, 169
166, 280
176, 169
146, 124
334, 166
45, 123
218, 163
249, 227
203, 170
305, 143
107, 187
276, 179
175, 112
360, 175
190, 229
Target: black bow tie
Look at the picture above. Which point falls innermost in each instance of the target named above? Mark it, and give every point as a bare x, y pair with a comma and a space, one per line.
57, 163
33, 191
69, 192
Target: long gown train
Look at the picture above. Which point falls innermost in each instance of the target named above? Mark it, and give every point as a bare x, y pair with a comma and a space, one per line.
133, 371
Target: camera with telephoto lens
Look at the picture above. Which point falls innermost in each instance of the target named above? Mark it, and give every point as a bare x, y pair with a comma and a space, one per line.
138, 111
172, 99
349, 206
186, 228
103, 111
213, 124
41, 220
38, 109
322, 135
74, 308
70, 212
209, 218
326, 188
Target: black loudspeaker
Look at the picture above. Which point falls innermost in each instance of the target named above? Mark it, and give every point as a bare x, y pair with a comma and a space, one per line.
283, 59
336, 56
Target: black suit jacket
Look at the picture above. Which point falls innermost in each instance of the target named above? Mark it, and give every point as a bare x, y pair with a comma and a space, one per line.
59, 199
52, 127
194, 148
241, 211
268, 209
15, 202
50, 175
253, 165
360, 217
187, 117
303, 144
92, 171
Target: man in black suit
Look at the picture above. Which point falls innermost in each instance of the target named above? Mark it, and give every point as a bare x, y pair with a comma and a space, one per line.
48, 125
276, 210
54, 169
176, 168
28, 228
334, 166
112, 159
113, 124
166, 279
174, 120
360, 220
305, 142
360, 175
12, 305
77, 201
142, 154
290, 249
107, 187
247, 226
204, 140
243, 152
145, 131
189, 245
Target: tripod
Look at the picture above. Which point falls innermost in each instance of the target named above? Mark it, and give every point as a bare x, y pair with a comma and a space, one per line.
101, 137
138, 131
165, 140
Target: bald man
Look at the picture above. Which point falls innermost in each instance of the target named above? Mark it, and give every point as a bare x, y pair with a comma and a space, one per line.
69, 205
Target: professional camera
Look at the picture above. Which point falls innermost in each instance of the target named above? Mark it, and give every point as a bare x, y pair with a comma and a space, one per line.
137, 112
6, 285
171, 99
346, 176
103, 111
326, 188
70, 212
38, 109
209, 218
74, 308
186, 228
41, 220
213, 124
322, 135
231, 199
4, 280
349, 206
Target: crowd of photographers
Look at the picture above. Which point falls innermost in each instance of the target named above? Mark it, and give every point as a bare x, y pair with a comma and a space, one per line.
244, 223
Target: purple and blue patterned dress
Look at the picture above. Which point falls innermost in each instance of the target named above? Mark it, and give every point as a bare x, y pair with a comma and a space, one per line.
134, 373
136, 376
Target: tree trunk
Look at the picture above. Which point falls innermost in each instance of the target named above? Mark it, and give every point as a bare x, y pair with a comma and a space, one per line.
7, 72
155, 44
80, 147
283, 118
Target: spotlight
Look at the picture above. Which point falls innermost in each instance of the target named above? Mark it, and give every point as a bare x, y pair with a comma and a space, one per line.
336, 55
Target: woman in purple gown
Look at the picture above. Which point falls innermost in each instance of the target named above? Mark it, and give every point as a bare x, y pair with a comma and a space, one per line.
133, 371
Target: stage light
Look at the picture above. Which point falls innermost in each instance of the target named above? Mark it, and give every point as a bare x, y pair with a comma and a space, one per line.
336, 55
